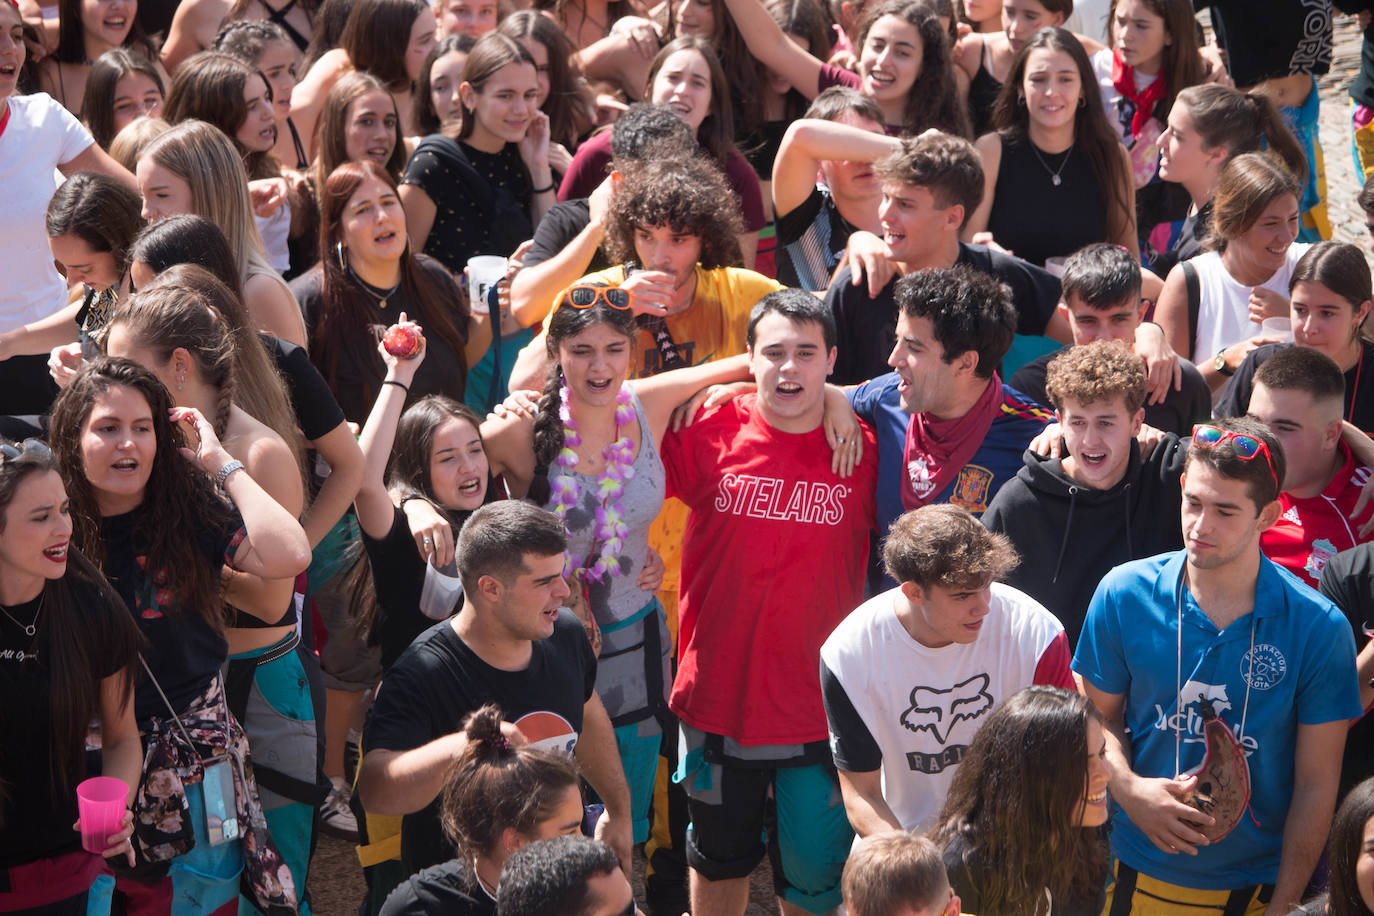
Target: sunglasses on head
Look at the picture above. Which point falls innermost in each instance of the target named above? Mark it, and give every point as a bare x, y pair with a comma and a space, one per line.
584, 297
1246, 447
10, 452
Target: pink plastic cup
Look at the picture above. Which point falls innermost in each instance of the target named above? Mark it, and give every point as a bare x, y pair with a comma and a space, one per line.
101, 802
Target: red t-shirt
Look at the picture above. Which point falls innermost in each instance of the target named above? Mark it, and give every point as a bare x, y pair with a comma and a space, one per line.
773, 559
1311, 531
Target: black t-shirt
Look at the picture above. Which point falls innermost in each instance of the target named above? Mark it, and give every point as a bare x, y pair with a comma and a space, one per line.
440, 890
34, 822
966, 878
317, 413
439, 680
560, 225
398, 575
355, 385
1177, 414
481, 207
866, 329
1359, 386
1264, 39
184, 651
1348, 582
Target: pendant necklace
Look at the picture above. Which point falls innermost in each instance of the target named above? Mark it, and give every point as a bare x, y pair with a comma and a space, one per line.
1054, 173
376, 292
31, 628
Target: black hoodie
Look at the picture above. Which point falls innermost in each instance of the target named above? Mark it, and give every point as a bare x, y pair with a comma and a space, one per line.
1070, 535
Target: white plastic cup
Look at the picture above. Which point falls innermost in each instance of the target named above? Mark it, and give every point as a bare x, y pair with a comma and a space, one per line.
1277, 327
100, 803
440, 592
484, 272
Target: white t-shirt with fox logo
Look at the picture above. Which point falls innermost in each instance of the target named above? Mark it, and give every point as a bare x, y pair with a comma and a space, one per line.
897, 705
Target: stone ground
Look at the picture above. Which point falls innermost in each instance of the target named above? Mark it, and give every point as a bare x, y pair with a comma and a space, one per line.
336, 883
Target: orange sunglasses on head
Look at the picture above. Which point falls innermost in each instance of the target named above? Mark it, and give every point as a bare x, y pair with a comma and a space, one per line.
584, 297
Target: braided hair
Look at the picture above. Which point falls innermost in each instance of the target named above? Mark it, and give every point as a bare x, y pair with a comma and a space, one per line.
565, 323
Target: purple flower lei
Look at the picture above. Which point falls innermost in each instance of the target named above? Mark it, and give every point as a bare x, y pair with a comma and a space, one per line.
611, 529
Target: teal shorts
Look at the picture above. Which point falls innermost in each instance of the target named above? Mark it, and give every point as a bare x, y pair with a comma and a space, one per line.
807, 831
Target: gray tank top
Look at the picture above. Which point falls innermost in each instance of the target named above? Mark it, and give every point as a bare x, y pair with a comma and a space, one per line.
616, 601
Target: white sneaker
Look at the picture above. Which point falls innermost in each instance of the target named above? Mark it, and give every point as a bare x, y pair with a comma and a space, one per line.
336, 817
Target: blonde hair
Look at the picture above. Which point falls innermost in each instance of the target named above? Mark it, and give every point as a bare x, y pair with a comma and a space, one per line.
202, 156
130, 142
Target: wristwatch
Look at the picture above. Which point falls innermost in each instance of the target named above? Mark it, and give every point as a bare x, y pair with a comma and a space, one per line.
1219, 363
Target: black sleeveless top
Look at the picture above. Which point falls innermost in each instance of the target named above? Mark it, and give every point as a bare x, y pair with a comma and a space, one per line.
1038, 219
983, 91
279, 17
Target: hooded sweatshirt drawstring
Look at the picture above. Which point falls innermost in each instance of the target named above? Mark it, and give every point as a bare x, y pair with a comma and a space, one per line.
1064, 541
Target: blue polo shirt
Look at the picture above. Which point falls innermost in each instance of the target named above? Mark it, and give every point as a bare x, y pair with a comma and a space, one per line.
1018, 421
1300, 671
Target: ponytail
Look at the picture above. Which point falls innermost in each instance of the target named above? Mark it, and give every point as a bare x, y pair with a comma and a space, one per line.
1242, 122
1277, 134
497, 785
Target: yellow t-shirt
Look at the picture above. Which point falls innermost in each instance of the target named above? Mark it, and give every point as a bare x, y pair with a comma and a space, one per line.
713, 328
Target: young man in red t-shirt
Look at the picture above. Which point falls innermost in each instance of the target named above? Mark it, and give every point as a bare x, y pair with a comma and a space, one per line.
1299, 393
774, 557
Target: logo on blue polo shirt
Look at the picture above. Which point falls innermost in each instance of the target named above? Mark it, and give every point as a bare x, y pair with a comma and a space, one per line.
1263, 666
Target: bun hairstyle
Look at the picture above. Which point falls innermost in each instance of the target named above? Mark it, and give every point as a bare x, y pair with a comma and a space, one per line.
496, 785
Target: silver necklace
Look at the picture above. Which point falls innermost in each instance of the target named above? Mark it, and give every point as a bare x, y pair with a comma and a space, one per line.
1054, 173
32, 628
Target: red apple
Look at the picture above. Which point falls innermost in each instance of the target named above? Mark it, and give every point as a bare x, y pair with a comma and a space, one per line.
402, 341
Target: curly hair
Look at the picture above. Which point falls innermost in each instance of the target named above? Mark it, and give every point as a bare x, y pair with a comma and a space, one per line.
1095, 372
1015, 802
178, 500
967, 309
933, 100
943, 545
689, 195
495, 786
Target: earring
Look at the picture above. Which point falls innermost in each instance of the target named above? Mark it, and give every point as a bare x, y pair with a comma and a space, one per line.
1082, 102
1021, 100
339, 252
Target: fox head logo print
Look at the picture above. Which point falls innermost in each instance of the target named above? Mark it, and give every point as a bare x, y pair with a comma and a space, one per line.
938, 711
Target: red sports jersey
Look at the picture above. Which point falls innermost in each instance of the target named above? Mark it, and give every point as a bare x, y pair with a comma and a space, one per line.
773, 559
1311, 531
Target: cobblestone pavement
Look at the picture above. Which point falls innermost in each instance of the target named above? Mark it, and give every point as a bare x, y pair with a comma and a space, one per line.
1347, 220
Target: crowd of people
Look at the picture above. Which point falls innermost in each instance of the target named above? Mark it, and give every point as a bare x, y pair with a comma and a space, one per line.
509, 438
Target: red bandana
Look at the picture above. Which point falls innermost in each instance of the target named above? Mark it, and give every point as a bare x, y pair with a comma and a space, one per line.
1123, 81
937, 450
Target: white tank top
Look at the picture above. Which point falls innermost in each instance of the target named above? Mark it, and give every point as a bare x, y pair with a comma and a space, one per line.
1223, 316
